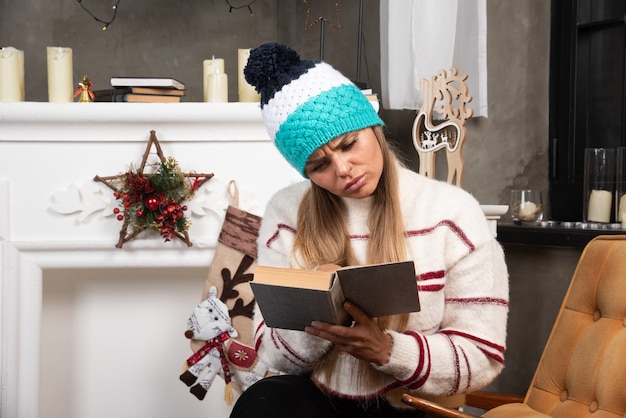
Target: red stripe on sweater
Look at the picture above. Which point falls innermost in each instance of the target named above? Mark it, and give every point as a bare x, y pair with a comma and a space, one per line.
278, 339
457, 367
479, 301
449, 224
491, 344
279, 228
361, 237
259, 338
432, 275
499, 359
424, 360
258, 334
431, 288
468, 367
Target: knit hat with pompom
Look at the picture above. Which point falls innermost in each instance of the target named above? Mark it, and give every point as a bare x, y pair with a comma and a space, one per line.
304, 103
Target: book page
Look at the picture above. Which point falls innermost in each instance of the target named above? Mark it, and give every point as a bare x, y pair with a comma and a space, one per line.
307, 279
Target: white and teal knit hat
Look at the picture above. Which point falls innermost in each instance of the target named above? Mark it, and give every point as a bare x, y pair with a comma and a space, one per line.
304, 103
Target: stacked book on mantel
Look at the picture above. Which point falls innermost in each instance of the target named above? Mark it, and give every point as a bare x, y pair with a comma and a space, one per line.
142, 90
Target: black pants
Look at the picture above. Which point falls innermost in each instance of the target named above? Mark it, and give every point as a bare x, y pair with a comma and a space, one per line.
298, 397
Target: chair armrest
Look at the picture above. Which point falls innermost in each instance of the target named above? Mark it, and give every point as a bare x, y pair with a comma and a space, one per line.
433, 408
488, 400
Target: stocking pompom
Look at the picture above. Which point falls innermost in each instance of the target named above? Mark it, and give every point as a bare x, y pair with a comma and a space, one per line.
273, 65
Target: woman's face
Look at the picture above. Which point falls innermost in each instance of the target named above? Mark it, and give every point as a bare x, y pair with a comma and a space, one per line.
349, 165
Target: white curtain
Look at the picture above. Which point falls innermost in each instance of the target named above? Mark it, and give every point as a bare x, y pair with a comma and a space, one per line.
420, 37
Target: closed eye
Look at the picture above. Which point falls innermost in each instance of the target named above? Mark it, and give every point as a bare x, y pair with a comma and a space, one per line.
318, 165
348, 145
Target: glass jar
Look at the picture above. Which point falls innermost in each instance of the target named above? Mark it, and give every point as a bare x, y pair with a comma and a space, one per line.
598, 184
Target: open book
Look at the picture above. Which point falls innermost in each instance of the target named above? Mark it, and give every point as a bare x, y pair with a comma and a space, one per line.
293, 298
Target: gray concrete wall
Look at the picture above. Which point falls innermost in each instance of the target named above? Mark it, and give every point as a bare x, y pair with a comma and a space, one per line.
164, 38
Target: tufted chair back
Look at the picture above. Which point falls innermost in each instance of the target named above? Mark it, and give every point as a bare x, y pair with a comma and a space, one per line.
582, 372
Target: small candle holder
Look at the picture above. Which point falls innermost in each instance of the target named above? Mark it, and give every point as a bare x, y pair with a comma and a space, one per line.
526, 206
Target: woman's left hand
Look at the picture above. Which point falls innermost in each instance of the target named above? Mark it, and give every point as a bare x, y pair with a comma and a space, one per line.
363, 340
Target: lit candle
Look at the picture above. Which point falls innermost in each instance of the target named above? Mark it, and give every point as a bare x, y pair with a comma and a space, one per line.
217, 87
60, 75
599, 206
210, 67
11, 75
247, 93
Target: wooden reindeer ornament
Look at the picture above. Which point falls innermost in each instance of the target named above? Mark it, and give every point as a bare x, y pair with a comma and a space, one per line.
441, 93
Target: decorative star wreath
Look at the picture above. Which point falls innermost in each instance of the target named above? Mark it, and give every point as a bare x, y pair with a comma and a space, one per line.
154, 201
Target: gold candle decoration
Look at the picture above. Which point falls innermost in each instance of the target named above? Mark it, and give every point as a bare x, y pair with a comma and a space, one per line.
60, 74
247, 93
11, 75
211, 67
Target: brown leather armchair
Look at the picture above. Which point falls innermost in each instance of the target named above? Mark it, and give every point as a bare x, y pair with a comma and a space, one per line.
582, 371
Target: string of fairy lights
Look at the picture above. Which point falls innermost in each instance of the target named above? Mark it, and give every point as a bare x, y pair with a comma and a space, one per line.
107, 23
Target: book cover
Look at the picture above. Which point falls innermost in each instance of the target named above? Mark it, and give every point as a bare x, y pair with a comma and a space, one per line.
166, 82
293, 298
138, 98
139, 90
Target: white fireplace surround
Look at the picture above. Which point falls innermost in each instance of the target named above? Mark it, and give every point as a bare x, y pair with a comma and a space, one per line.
53, 216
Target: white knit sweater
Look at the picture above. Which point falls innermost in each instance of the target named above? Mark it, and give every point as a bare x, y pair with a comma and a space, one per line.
457, 341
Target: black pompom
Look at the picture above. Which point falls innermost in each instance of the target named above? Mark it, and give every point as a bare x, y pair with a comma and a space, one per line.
272, 65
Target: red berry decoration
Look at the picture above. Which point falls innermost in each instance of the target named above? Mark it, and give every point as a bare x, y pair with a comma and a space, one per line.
152, 203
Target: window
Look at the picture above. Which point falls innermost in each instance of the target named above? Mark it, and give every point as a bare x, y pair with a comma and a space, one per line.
587, 93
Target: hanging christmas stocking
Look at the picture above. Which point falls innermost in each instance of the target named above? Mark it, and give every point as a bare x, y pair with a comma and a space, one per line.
230, 272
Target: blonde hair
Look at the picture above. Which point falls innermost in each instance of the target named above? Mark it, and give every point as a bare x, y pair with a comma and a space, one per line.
322, 238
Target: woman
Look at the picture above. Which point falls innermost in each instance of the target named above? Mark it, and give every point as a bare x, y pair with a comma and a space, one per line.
360, 206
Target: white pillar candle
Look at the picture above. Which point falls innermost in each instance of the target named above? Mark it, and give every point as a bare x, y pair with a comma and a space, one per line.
247, 93
210, 67
599, 206
11, 75
60, 75
217, 87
